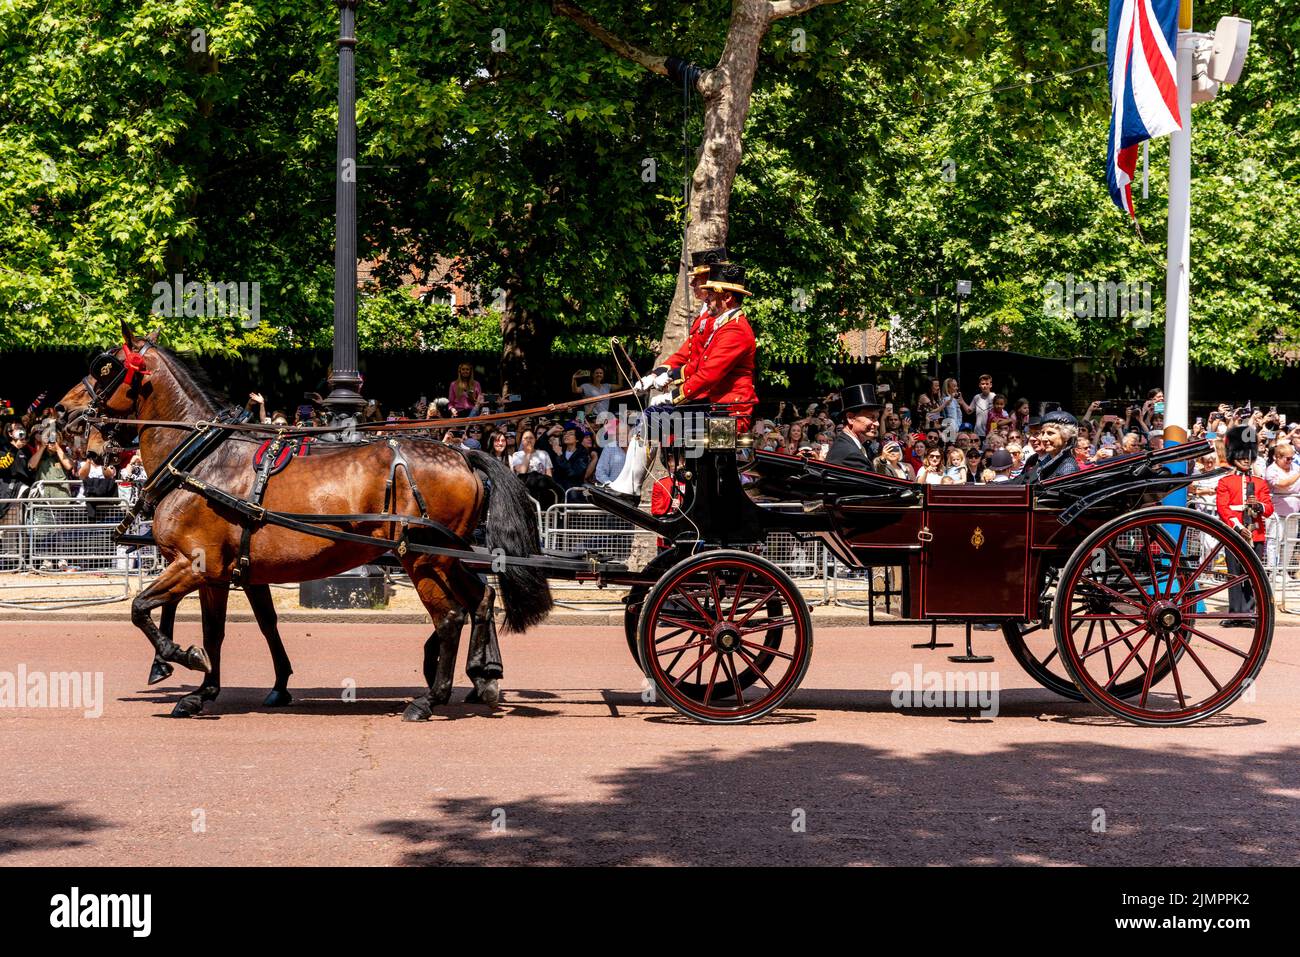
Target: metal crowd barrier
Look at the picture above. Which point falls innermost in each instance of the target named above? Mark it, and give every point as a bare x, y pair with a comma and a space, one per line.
1284, 562
57, 550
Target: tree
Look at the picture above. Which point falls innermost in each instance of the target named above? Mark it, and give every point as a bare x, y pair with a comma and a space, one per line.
726, 89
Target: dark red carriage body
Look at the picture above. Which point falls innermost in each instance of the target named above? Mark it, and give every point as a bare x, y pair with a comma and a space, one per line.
966, 551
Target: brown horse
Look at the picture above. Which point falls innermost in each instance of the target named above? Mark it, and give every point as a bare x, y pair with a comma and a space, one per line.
201, 539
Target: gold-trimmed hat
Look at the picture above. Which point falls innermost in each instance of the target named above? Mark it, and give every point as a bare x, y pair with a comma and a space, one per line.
702, 260
727, 277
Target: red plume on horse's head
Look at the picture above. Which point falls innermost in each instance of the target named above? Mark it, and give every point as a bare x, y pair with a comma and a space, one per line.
131, 359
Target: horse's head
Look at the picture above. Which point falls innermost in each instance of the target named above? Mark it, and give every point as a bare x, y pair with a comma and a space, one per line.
115, 386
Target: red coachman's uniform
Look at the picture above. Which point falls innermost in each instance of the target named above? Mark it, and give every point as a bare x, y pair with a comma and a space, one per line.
716, 363
1230, 496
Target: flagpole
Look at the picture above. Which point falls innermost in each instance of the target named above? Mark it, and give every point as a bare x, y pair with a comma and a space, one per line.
1177, 306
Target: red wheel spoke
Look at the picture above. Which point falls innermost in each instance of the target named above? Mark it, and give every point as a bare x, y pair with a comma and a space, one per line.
1123, 566
1202, 595
753, 666
1173, 670
1130, 657
1151, 561
660, 652
762, 604
1107, 617
670, 635
1215, 641
1148, 673
1222, 616
768, 625
766, 650
1118, 638
1187, 646
1112, 592
740, 590
704, 655
698, 629
698, 607
1206, 561
1174, 560
717, 599
713, 678
729, 666
1129, 645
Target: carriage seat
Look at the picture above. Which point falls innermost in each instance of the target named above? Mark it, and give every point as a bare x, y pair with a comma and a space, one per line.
790, 476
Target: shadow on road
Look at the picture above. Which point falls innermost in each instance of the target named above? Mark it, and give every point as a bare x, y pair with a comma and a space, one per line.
1036, 803
40, 827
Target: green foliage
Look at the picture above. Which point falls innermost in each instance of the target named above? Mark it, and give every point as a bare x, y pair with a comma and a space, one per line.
505, 150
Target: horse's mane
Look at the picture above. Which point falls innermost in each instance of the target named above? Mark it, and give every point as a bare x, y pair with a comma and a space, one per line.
192, 377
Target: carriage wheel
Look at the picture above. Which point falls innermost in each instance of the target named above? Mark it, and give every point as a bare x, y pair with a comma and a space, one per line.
1163, 607
1033, 644
725, 636
1034, 649
635, 599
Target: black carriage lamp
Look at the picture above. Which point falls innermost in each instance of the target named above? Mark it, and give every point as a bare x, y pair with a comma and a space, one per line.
963, 292
345, 379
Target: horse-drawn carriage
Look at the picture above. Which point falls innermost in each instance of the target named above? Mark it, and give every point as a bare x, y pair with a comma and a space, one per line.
1101, 592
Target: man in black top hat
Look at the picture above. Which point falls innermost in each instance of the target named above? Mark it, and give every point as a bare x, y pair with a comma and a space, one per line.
860, 414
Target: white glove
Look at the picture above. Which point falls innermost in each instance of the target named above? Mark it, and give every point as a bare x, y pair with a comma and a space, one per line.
663, 398
652, 381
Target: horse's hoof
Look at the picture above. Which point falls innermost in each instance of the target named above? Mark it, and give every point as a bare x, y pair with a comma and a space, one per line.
160, 671
418, 710
485, 692
196, 659
277, 698
188, 706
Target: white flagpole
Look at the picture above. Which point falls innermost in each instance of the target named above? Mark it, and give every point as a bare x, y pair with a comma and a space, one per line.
1177, 311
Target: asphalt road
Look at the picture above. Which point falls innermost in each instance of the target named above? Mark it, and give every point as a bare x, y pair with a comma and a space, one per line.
575, 768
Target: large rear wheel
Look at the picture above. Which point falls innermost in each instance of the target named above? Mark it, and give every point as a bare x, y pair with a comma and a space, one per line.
1165, 624
1033, 643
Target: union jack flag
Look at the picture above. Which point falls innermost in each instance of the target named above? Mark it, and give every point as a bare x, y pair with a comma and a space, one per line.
1142, 39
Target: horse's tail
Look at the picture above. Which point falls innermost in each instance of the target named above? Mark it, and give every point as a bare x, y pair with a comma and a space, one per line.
512, 527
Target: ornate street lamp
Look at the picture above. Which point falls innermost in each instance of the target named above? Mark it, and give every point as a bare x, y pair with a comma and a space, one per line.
345, 380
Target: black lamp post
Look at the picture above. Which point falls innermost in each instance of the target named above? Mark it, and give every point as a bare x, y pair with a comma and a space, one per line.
345, 380
963, 290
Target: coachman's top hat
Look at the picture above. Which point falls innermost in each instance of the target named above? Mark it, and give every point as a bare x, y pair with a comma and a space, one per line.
1241, 443
727, 277
702, 260
854, 398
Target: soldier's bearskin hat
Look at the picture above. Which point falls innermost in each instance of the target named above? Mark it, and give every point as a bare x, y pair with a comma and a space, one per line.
1241, 443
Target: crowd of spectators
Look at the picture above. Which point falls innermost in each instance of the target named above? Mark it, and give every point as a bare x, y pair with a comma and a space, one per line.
940, 436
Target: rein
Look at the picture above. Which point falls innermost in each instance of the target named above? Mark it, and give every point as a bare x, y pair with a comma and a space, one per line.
400, 425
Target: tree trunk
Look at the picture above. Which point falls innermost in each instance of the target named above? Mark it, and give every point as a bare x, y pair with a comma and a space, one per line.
523, 351
726, 90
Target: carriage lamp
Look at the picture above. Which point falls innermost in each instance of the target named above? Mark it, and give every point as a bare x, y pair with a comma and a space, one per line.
722, 433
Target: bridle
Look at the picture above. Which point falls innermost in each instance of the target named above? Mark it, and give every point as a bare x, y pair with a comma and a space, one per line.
106, 375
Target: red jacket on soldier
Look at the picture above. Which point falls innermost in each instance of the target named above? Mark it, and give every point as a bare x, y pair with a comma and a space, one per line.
717, 362
1231, 496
